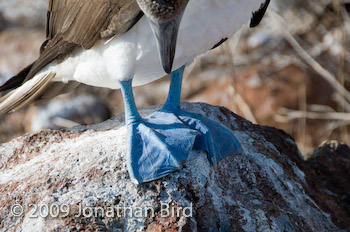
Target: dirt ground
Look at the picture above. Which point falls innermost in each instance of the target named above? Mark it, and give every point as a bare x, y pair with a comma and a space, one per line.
290, 72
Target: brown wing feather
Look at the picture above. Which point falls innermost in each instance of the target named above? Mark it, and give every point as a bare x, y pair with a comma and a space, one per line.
25, 93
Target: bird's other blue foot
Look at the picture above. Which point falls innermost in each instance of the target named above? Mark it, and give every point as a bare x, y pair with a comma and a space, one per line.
217, 140
156, 146
213, 137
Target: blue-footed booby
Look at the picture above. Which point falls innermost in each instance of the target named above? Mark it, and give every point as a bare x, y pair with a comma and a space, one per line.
124, 43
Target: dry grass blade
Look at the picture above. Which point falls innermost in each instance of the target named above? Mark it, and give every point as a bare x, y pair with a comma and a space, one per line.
287, 115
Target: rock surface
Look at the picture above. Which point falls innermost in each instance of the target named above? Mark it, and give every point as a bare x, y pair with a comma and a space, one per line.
269, 188
328, 174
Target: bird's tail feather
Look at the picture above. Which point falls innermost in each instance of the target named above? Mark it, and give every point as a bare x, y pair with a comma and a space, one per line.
17, 80
24, 94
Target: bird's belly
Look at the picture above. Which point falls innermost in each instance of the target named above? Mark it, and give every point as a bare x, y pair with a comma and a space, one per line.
135, 55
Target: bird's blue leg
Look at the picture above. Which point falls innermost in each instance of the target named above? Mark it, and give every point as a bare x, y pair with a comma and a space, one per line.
213, 137
156, 146
173, 100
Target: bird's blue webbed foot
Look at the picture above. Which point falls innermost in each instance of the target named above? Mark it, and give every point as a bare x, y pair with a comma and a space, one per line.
213, 137
156, 145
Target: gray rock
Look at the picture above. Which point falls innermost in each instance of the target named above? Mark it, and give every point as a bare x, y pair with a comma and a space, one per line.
265, 189
328, 174
63, 113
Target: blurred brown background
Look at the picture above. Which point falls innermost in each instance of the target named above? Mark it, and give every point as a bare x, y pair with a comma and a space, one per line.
291, 72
